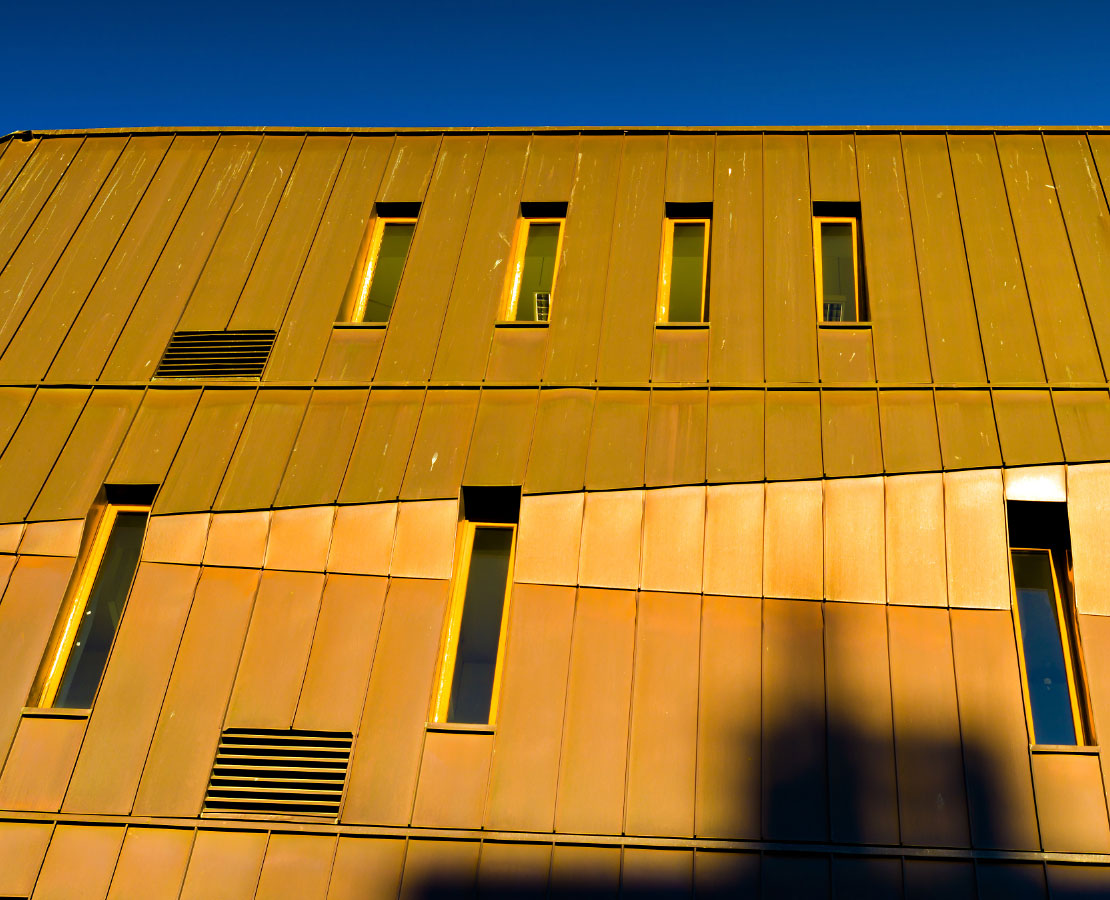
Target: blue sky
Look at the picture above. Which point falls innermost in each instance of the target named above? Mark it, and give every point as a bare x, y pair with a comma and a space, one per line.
575, 62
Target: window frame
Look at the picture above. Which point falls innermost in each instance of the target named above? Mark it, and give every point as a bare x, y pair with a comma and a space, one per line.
663, 310
359, 292
818, 266
510, 291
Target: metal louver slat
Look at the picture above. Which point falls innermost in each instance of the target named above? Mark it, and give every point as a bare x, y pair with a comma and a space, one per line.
216, 354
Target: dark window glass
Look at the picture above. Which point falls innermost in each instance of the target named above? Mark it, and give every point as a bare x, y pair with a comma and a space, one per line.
100, 619
538, 275
687, 261
480, 631
838, 272
396, 237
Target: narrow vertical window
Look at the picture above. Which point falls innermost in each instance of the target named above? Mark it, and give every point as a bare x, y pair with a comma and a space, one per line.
836, 264
684, 270
376, 277
530, 287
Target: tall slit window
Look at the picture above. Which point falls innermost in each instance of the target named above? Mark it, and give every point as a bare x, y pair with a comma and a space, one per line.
684, 269
376, 277
530, 285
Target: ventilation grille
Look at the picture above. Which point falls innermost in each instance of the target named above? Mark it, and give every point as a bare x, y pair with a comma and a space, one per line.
216, 354
292, 773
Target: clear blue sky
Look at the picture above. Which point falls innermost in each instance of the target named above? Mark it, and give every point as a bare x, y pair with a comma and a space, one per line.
571, 62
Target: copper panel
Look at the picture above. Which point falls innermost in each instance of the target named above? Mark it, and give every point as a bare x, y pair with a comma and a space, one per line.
79, 855
502, 437
297, 867
386, 758
845, 355
789, 877
926, 879
793, 435
1027, 427
549, 538
440, 869
908, 424
192, 714
507, 870
649, 871
676, 438
674, 531
1089, 521
381, 451
789, 308
409, 170
154, 437
563, 421
993, 730
362, 539
237, 539
299, 538
52, 538
224, 864
439, 451
198, 468
366, 869
793, 541
343, 643
975, 537
517, 354
736, 286
832, 167
38, 178
14, 157
1021, 881
1094, 638
1039, 483
13, 404
424, 546
1071, 882
662, 746
549, 177
734, 436
319, 458
680, 355
352, 354
40, 763
1071, 803
525, 767
584, 870
611, 527
916, 572
595, 728
454, 773
850, 433
733, 558
176, 539
1083, 418
10, 536
416, 319
932, 803
966, 424
617, 440
131, 691
152, 863
855, 540
867, 878
22, 848
275, 654
7, 563
690, 168
256, 469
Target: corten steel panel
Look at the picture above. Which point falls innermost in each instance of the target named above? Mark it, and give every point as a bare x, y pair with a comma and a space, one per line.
1089, 521
663, 740
850, 433
1027, 427
200, 463
131, 691
13, 404
79, 863
733, 555
22, 848
454, 773
793, 541
320, 455
736, 283
1047, 483
232, 256
650, 871
690, 168
992, 727
362, 539
631, 291
189, 723
559, 443
720, 875
516, 354
154, 437
618, 438
31, 453
855, 540
676, 437
416, 319
932, 801
424, 545
152, 863
795, 793
52, 538
382, 448
502, 436
908, 424
275, 654
303, 336
863, 790
1059, 310
1070, 882
224, 863
238, 539
975, 536
79, 472
82, 342
299, 538
409, 170
1094, 639
10, 536
439, 450
916, 571
13, 158
366, 869
674, 536
549, 540
552, 162
525, 769
506, 870
968, 437
343, 643
40, 763
793, 435
440, 869
595, 728
352, 354
890, 264
1002, 304
277, 266
867, 878
255, 471
577, 317
832, 167
1071, 803
789, 309
734, 436
166, 291
483, 263
680, 355
590, 871
611, 539
297, 867
925, 879
1021, 881
386, 758
846, 355
1083, 418
788, 877
24, 199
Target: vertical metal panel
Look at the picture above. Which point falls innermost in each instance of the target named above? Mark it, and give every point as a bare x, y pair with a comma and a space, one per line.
409, 171
1094, 638
793, 435
440, 869
22, 848
13, 404
850, 433
439, 450
577, 870
26, 196
674, 533
549, 540
855, 540
618, 440
238, 539
525, 770
131, 691
552, 162
424, 543
734, 436
299, 538
1069, 882
154, 437
13, 159
1027, 427
595, 729
832, 167
52, 538
151, 864
185, 739
382, 448
690, 168
1083, 418
611, 535
322, 451
1021, 881
916, 572
79, 855
352, 354
366, 869
1071, 803
362, 539
224, 863
647, 871
507, 870
793, 541
924, 879
1089, 520
680, 355
502, 436
563, 421
965, 420
719, 875
297, 867
847, 355
676, 438
40, 763
516, 354
733, 555
975, 538
908, 424
932, 802
454, 772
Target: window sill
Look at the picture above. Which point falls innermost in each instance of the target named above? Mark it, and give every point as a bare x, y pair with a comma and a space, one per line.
42, 712
460, 729
520, 324
369, 326
1068, 749
682, 326
836, 326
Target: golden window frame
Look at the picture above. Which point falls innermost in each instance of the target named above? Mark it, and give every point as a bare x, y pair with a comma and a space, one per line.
818, 265
510, 292
362, 276
662, 314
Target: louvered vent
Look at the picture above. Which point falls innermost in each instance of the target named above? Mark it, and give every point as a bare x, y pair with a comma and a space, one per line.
293, 773
216, 354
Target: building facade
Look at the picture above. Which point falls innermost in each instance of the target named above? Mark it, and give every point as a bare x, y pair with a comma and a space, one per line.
642, 512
